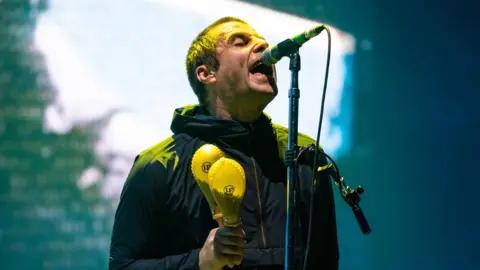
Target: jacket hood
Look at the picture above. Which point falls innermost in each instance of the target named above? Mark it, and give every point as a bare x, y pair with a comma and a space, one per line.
195, 121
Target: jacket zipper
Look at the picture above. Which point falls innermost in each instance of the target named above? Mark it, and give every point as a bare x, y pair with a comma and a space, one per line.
262, 230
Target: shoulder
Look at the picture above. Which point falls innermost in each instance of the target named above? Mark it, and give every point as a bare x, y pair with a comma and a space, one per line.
162, 153
161, 160
157, 161
282, 137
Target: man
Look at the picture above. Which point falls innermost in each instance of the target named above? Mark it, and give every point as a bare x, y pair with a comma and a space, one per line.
163, 220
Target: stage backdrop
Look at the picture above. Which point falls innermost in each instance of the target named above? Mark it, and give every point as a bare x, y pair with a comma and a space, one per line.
86, 85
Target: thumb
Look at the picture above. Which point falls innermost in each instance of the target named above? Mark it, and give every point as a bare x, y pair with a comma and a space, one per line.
220, 222
219, 219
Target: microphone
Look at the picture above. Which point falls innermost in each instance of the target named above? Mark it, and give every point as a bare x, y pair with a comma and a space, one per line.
350, 195
274, 53
227, 184
202, 161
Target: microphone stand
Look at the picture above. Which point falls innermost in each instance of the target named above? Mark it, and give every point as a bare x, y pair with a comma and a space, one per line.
291, 154
351, 196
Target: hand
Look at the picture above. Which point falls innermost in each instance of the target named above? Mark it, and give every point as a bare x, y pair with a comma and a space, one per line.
223, 247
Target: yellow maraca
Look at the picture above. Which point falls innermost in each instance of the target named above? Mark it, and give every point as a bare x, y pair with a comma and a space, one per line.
202, 160
227, 185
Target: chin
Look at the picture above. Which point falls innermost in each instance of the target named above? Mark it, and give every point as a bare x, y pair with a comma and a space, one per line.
264, 93
264, 90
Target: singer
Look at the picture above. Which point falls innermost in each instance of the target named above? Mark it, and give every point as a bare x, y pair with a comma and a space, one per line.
163, 220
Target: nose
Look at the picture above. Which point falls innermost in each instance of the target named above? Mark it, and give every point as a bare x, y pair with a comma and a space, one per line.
261, 46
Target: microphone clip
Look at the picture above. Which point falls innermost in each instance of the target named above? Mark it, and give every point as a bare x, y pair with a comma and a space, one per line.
350, 195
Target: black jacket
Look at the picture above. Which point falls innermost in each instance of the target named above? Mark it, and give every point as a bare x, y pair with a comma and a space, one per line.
162, 219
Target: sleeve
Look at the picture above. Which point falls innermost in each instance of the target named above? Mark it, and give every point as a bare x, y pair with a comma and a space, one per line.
139, 237
324, 252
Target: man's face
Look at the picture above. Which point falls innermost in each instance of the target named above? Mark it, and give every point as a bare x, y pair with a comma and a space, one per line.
240, 72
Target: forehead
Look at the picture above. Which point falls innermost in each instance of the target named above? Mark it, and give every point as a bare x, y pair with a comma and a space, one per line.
225, 30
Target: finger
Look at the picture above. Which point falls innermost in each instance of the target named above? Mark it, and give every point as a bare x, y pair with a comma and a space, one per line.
229, 231
230, 250
231, 260
213, 233
234, 259
223, 250
224, 239
232, 241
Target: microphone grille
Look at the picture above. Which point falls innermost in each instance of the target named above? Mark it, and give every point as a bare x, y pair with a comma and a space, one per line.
314, 31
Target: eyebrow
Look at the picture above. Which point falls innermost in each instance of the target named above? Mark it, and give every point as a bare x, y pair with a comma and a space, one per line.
232, 35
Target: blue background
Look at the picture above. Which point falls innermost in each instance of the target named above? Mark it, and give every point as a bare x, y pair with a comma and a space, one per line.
409, 110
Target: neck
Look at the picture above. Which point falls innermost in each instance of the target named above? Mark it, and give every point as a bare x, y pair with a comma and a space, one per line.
247, 113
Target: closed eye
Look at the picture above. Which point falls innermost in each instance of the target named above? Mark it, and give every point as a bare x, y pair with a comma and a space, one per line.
240, 40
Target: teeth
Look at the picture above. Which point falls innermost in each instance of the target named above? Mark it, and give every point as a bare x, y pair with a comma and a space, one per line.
257, 64
259, 67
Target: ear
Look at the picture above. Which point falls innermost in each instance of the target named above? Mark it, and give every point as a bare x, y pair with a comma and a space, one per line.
205, 75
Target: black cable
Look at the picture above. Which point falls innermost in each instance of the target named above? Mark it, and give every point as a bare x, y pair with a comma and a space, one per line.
315, 159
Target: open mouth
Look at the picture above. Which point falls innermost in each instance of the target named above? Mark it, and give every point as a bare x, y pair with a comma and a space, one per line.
260, 69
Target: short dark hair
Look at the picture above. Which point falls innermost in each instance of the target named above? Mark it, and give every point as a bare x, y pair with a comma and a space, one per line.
202, 51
